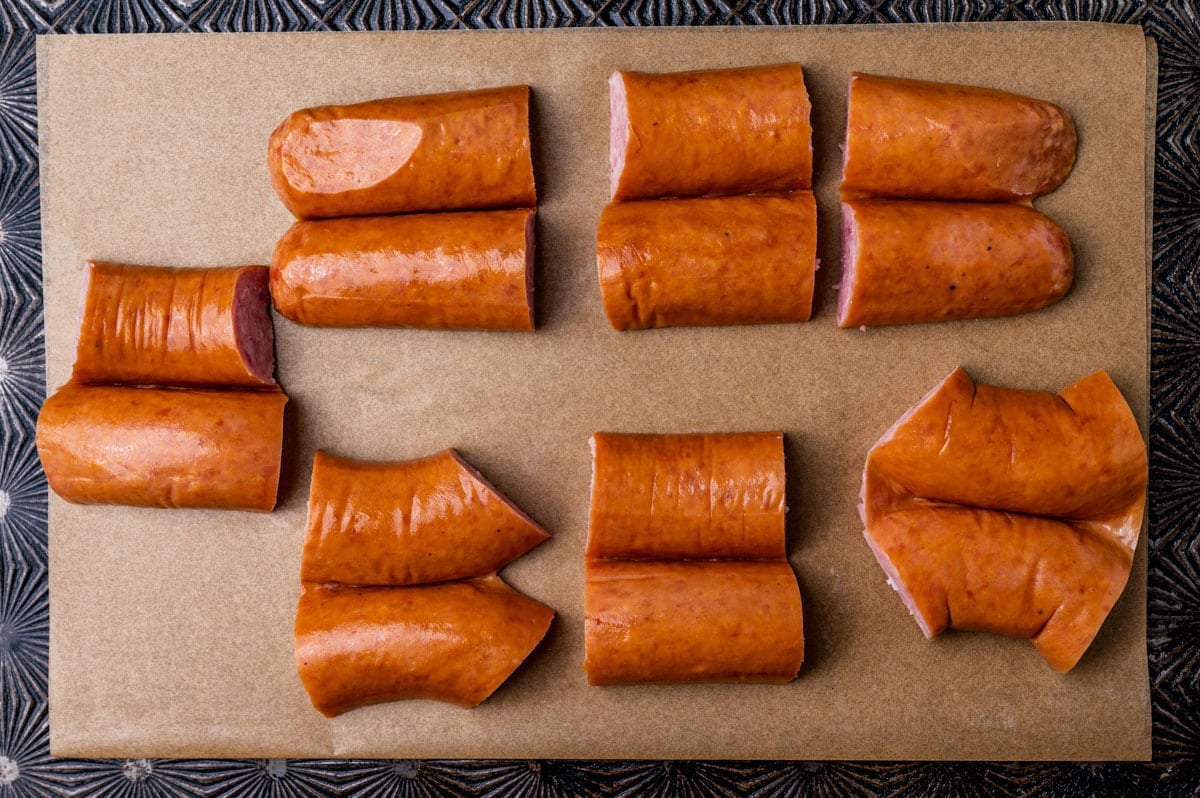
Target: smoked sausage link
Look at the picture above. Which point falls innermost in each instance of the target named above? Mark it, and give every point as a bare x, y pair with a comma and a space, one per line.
454, 642
469, 270
427, 520
152, 447
913, 139
437, 152
720, 260
188, 327
729, 131
906, 262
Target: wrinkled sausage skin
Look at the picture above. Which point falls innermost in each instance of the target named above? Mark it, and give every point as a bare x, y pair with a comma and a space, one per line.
913, 139
407, 523
908, 262
436, 152
727, 131
153, 447
720, 260
470, 270
455, 642
151, 325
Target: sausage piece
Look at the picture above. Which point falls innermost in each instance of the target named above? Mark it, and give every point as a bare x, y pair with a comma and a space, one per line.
1016, 512
470, 270
687, 496
906, 262
427, 520
189, 327
728, 131
692, 622
153, 447
432, 152
455, 642
913, 139
720, 260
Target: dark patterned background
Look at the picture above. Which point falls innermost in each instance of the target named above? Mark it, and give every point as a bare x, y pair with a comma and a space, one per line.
26, 769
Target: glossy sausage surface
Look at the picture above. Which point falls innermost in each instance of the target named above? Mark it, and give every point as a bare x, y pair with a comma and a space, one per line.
150, 325
729, 131
427, 520
907, 262
153, 447
455, 642
431, 152
469, 270
692, 622
718, 260
913, 139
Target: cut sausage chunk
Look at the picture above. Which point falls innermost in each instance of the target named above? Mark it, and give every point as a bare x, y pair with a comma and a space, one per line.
906, 262
729, 131
426, 153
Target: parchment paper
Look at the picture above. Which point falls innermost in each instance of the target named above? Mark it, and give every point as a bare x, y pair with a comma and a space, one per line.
171, 631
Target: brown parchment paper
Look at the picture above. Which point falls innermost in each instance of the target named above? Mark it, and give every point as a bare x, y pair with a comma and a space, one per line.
171, 631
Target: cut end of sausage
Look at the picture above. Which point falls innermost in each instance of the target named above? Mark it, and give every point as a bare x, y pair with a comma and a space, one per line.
252, 328
849, 259
618, 130
537, 533
896, 583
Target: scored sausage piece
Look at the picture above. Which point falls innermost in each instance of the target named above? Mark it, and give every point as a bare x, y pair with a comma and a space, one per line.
913, 139
692, 622
427, 520
432, 152
907, 262
719, 260
152, 447
451, 271
704, 496
151, 325
455, 642
1016, 512
727, 131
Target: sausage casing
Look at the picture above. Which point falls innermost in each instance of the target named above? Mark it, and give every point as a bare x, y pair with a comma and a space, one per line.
427, 520
149, 325
432, 152
913, 139
470, 270
719, 260
454, 642
728, 131
906, 262
152, 447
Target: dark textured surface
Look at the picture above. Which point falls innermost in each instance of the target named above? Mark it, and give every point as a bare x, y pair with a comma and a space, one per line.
26, 768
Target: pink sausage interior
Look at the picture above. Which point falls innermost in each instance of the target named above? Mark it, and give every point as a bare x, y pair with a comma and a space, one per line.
849, 258
252, 324
618, 136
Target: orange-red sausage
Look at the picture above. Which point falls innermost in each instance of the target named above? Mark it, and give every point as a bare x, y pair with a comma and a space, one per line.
905, 262
432, 152
912, 139
154, 447
427, 520
687, 496
455, 642
1016, 512
470, 270
161, 326
728, 131
720, 260
692, 622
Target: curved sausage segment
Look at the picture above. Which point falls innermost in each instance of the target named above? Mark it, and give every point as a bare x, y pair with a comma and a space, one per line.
913, 139
470, 270
427, 520
161, 326
720, 260
426, 153
162, 448
730, 131
1015, 512
906, 262
455, 642
687, 496
692, 622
